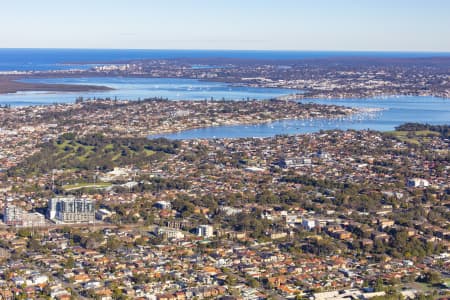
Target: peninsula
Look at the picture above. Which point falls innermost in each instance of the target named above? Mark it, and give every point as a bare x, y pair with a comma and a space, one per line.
344, 77
9, 84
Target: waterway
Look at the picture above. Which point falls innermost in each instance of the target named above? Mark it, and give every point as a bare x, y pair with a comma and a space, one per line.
394, 111
130, 88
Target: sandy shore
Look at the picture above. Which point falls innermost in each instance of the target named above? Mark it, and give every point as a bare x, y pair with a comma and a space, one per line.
8, 84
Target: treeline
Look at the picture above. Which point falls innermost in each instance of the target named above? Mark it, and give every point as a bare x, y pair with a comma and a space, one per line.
443, 130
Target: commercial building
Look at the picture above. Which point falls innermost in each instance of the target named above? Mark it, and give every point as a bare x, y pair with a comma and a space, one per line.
12, 215
16, 216
205, 231
71, 210
169, 233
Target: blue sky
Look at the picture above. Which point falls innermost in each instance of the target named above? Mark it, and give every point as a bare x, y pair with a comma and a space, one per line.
390, 25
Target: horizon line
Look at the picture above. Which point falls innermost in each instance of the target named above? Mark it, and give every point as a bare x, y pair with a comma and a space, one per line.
230, 50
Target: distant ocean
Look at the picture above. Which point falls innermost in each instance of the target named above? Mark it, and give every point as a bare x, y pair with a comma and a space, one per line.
61, 59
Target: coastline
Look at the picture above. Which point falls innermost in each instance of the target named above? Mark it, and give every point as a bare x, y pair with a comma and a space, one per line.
157, 117
374, 76
10, 85
354, 111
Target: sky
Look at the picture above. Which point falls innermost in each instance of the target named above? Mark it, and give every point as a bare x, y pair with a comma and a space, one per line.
343, 25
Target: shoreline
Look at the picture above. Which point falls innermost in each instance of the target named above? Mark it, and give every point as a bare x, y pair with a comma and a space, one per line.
204, 114
355, 111
11, 85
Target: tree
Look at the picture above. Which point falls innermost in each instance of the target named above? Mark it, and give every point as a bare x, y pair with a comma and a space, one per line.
231, 280
431, 277
69, 263
379, 285
252, 282
112, 244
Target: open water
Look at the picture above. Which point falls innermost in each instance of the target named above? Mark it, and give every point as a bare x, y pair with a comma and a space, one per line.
60, 59
395, 110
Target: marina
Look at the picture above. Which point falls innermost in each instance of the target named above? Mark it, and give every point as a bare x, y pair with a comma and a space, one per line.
382, 114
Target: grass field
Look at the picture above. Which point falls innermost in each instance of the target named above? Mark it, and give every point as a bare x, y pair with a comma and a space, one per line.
94, 152
413, 137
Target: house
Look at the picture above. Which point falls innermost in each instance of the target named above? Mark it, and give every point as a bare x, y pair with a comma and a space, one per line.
163, 205
308, 224
6, 295
277, 281
417, 182
166, 296
104, 294
384, 223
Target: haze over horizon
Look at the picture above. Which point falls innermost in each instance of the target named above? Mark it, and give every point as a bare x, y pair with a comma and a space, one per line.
293, 25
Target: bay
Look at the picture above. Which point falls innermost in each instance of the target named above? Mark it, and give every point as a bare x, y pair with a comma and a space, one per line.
131, 88
395, 110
